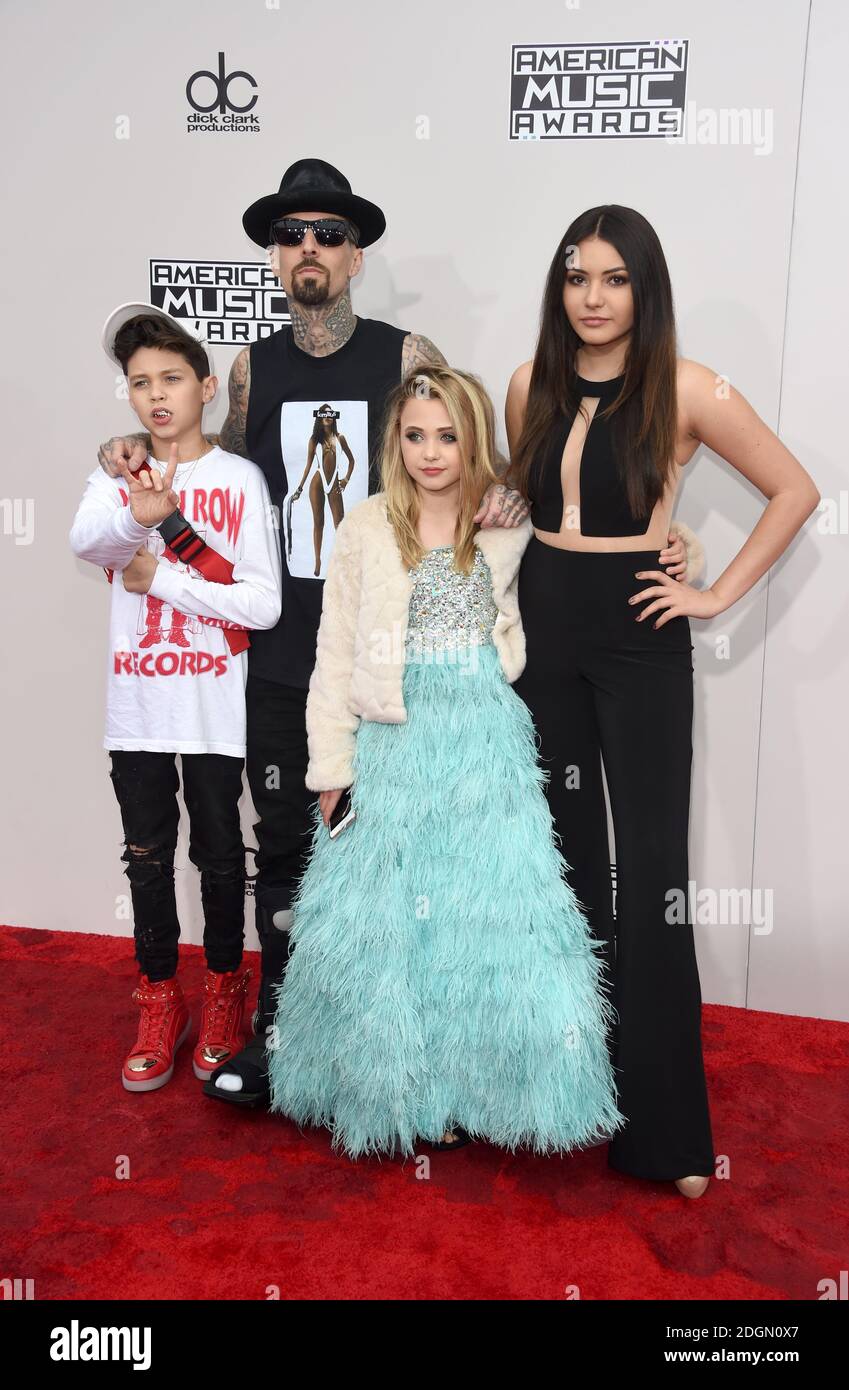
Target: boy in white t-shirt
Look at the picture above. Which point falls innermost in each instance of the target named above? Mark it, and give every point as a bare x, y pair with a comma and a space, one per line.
194, 549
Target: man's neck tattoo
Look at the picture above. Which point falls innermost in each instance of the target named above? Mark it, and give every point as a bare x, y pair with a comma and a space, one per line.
324, 328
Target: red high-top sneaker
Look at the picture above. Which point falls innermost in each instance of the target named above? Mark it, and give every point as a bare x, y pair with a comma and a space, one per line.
220, 1021
163, 1026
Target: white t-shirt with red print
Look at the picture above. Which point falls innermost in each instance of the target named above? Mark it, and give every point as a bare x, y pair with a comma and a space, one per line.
173, 685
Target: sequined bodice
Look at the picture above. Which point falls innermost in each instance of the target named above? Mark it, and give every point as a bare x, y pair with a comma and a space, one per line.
449, 609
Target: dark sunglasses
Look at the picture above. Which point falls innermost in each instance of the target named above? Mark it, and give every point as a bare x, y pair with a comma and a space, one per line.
328, 231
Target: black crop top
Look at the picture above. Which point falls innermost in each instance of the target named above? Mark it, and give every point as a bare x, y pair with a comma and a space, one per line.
604, 508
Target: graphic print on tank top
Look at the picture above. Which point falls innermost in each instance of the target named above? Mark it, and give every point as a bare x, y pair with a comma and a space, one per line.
324, 444
355, 380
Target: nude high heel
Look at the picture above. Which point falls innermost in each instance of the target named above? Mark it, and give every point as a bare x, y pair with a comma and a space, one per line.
692, 1187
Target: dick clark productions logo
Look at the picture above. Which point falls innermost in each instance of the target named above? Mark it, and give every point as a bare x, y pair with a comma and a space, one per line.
228, 110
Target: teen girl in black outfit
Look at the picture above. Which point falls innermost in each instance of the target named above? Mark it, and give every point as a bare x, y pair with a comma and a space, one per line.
601, 424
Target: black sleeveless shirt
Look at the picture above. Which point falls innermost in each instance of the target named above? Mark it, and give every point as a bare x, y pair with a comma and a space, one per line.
337, 402
604, 507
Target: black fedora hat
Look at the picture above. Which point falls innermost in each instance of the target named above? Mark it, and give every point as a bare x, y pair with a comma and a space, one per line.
314, 184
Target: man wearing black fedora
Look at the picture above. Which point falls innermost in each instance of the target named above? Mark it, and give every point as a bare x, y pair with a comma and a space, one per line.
318, 383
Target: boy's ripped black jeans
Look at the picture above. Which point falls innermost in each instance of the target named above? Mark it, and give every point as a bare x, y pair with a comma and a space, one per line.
146, 785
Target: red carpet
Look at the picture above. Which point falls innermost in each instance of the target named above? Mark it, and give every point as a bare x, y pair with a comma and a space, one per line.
223, 1204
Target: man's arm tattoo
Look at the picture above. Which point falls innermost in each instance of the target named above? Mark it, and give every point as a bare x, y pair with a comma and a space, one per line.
419, 351
233, 436
105, 450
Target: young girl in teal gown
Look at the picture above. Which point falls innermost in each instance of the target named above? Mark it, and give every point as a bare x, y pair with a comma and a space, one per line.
443, 982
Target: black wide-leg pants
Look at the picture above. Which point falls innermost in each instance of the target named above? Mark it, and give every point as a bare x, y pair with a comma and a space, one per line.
603, 687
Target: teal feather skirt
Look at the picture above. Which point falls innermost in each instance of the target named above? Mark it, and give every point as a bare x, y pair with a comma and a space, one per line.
442, 972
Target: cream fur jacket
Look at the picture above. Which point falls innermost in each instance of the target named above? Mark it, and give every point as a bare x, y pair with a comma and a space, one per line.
360, 653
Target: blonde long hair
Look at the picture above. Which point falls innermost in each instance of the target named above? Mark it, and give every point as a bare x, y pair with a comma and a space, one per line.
472, 417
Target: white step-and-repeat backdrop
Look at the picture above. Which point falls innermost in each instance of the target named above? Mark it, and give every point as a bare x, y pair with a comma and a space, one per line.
136, 137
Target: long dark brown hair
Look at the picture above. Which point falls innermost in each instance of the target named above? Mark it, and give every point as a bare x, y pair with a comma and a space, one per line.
643, 417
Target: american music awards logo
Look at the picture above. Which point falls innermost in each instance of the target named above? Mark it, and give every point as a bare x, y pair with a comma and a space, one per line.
229, 302
222, 101
596, 90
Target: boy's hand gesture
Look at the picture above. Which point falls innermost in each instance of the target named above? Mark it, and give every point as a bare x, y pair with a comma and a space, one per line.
151, 495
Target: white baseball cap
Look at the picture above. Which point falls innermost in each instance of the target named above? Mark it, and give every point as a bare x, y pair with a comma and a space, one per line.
125, 312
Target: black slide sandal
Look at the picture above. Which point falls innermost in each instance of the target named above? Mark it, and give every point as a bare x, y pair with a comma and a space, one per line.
251, 1064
